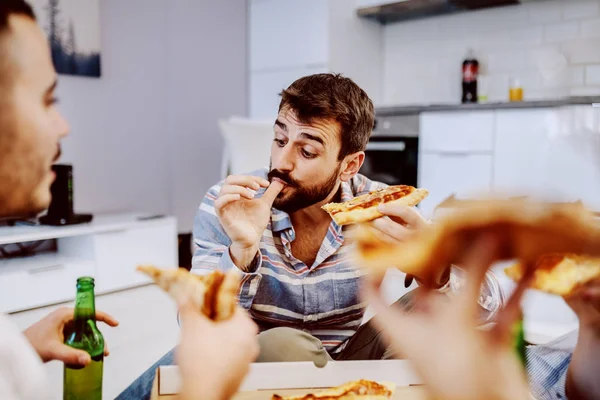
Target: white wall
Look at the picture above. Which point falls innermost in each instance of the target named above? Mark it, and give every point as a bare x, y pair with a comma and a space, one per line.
144, 136
423, 58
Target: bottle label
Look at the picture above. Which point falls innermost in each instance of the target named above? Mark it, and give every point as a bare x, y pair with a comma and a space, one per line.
470, 71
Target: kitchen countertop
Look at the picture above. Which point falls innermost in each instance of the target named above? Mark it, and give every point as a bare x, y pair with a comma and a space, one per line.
417, 109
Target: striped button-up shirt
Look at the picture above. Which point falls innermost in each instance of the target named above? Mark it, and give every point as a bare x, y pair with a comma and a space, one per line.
322, 298
547, 367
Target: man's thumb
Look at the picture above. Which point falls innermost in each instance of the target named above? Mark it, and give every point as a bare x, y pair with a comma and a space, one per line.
71, 356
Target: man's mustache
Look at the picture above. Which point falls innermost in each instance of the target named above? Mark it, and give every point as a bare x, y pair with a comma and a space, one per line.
275, 173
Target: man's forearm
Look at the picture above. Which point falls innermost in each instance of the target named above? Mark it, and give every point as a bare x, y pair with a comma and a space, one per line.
243, 258
583, 377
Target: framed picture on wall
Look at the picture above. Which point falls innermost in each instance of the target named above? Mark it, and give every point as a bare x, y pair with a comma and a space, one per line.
73, 29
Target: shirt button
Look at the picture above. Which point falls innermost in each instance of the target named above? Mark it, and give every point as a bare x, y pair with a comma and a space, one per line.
311, 318
357, 273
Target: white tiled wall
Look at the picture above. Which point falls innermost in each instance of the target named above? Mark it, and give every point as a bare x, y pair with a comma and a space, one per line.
552, 47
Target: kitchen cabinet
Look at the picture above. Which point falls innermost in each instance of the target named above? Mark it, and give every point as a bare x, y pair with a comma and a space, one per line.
521, 141
452, 173
288, 33
294, 38
455, 155
551, 153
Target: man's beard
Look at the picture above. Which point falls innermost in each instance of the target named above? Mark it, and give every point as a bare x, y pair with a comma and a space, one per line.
303, 196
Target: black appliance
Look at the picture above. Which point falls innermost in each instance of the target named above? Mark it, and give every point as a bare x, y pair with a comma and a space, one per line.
392, 154
61, 210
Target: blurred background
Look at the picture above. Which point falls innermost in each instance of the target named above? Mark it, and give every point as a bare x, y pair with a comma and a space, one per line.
165, 98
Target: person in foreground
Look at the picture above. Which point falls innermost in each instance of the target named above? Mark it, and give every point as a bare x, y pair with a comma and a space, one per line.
30, 132
457, 361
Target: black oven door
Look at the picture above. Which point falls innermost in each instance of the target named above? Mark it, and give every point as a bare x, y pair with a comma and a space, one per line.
392, 160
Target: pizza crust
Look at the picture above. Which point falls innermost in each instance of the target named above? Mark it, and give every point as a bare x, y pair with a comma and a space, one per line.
527, 229
372, 391
357, 215
214, 294
560, 274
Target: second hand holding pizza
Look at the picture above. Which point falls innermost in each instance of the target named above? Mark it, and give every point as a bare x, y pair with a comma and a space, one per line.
243, 217
399, 224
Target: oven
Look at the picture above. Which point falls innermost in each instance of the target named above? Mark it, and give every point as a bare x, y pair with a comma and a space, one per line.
392, 154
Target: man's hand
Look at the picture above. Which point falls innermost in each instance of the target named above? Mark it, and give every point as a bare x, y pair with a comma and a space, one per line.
582, 377
214, 357
398, 225
456, 360
243, 217
47, 337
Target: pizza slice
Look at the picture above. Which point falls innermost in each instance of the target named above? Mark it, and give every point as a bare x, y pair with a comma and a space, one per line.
559, 274
364, 208
362, 389
214, 294
527, 231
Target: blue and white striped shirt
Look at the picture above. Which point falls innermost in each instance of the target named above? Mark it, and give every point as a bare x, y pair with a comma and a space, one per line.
547, 367
321, 299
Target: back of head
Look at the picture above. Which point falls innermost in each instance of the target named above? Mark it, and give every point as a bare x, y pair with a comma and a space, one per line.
333, 98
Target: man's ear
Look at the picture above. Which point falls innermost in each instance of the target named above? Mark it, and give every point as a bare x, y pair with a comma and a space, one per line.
351, 164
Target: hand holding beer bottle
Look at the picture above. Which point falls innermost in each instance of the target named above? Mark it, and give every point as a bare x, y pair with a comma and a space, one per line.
47, 337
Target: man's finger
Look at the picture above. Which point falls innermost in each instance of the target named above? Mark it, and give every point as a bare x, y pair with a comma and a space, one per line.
225, 200
272, 191
236, 189
254, 182
106, 318
392, 229
478, 260
385, 318
511, 312
69, 355
402, 214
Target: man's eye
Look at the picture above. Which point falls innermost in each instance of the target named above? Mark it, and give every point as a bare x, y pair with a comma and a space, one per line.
279, 142
307, 154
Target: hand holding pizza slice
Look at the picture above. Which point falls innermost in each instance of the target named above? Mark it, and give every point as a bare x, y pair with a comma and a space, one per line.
214, 295
527, 230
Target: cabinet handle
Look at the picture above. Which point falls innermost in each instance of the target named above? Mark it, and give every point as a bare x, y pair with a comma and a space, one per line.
49, 268
454, 153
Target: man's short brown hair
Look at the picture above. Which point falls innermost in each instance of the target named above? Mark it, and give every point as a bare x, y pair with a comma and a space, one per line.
9, 8
332, 97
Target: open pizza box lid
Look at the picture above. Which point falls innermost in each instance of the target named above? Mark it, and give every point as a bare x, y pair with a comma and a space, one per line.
264, 378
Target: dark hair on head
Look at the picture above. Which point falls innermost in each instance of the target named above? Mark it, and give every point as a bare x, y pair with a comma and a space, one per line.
13, 7
333, 97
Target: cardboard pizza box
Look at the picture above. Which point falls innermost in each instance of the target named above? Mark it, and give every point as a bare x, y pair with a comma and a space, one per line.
266, 379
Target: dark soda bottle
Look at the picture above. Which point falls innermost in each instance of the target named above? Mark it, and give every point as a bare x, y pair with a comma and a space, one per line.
470, 72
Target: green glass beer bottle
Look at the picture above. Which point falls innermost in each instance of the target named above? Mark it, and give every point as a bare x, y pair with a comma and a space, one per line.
519, 340
84, 383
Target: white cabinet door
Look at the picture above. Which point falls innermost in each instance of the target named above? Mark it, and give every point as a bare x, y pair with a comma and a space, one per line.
266, 86
457, 131
551, 153
520, 145
445, 174
288, 33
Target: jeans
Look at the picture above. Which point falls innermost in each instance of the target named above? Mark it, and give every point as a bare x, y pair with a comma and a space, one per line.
141, 388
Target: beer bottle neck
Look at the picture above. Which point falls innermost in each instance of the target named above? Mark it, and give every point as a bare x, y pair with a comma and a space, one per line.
85, 308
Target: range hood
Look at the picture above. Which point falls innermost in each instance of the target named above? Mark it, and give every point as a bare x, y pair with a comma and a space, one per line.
402, 10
